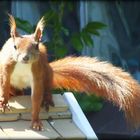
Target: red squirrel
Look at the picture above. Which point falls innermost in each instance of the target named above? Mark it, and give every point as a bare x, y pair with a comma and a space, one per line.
24, 63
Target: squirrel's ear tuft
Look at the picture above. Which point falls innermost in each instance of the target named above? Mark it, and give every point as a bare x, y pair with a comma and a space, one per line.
39, 29
12, 22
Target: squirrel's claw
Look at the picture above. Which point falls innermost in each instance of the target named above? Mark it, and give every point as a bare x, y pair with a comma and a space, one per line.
3, 107
48, 101
47, 104
37, 125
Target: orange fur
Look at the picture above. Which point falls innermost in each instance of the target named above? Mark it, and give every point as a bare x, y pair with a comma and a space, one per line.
85, 74
24, 63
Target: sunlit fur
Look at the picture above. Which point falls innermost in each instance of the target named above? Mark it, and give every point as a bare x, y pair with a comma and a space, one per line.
83, 74
23, 63
92, 76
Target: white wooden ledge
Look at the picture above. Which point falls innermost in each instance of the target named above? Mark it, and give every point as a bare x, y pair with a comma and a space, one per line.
78, 116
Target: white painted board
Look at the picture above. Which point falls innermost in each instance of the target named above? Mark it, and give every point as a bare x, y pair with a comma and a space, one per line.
78, 116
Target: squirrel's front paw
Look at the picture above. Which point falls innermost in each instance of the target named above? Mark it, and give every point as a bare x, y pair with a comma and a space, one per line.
47, 104
37, 125
47, 101
4, 104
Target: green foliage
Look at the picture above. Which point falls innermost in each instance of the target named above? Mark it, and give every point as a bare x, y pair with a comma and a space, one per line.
54, 21
54, 17
89, 102
24, 25
77, 42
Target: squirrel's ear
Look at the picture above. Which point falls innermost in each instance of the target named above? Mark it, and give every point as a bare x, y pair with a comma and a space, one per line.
13, 31
39, 29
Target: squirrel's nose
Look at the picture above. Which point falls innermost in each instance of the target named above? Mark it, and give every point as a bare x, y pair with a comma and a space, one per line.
26, 58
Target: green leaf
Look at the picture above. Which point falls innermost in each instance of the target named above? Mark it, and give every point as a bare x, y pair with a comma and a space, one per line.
87, 39
96, 25
93, 27
60, 51
94, 98
89, 102
58, 27
92, 31
85, 106
76, 41
50, 14
65, 30
88, 106
24, 25
97, 106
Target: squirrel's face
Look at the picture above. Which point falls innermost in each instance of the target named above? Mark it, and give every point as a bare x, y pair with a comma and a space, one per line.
26, 50
26, 47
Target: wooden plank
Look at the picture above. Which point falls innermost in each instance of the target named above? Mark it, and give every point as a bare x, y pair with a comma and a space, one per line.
9, 117
23, 104
67, 129
20, 129
2, 134
46, 115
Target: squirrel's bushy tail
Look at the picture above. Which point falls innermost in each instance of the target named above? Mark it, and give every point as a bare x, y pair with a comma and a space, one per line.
85, 74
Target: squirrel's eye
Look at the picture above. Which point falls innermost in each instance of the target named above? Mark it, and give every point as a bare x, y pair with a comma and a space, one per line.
15, 46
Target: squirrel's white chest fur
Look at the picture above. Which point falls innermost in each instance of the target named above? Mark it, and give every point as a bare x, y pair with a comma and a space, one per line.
21, 76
